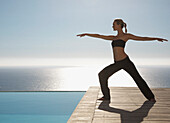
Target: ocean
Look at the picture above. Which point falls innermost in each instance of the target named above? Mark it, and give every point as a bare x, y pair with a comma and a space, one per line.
70, 78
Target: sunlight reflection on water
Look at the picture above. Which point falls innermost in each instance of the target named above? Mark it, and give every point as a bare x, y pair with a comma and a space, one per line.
81, 78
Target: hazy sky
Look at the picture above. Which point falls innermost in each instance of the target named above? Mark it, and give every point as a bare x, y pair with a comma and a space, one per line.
47, 29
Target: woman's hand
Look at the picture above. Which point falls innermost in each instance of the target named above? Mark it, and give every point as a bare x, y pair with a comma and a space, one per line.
81, 35
161, 39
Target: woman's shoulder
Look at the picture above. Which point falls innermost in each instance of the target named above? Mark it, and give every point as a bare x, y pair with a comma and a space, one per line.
127, 36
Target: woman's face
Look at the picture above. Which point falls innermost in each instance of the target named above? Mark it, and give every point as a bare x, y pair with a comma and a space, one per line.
115, 26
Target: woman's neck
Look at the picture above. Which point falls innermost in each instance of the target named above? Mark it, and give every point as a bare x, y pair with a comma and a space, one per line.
120, 32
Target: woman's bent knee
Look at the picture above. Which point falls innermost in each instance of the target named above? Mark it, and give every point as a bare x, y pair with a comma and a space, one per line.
102, 76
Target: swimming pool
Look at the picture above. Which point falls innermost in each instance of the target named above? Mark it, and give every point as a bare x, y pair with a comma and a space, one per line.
38, 107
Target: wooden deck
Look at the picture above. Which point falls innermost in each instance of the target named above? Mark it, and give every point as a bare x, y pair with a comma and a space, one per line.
127, 105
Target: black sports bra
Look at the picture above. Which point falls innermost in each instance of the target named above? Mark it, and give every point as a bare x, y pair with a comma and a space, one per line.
118, 43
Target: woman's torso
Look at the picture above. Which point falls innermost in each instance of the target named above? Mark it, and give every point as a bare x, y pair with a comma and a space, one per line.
119, 52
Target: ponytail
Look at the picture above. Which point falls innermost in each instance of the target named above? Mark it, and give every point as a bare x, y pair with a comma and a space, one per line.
125, 28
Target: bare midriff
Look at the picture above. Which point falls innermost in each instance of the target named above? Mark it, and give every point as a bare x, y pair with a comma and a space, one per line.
119, 53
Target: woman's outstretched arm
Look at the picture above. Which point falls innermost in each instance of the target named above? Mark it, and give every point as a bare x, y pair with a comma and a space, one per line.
133, 37
110, 37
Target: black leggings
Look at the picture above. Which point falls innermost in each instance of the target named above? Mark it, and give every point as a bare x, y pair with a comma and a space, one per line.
129, 67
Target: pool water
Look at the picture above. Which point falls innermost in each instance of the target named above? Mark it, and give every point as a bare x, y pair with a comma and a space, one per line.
38, 107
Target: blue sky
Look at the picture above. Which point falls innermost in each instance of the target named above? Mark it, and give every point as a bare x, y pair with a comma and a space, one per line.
43, 32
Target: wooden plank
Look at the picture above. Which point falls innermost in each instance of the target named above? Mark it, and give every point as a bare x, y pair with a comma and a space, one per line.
127, 105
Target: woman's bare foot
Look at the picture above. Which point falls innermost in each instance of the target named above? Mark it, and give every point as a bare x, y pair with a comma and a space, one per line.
102, 98
152, 100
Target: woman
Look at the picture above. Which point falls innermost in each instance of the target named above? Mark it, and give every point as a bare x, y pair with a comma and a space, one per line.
122, 60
